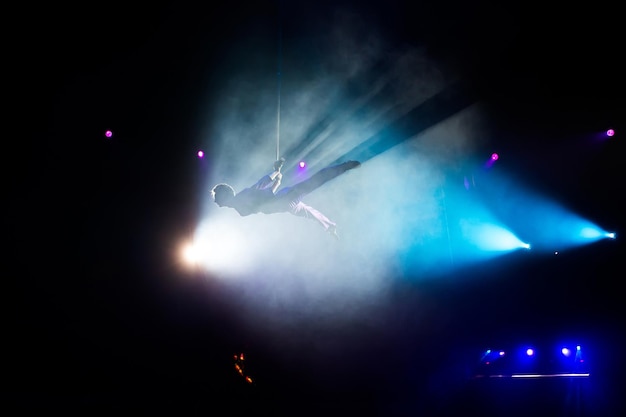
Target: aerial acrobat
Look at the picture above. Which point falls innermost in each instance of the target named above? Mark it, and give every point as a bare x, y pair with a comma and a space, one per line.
265, 197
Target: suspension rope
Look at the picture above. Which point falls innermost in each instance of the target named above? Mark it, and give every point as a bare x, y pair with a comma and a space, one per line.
278, 98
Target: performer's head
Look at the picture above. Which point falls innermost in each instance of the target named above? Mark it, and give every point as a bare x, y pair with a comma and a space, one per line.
222, 194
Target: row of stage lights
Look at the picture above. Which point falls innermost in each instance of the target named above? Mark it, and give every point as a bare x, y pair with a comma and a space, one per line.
528, 362
302, 164
489, 356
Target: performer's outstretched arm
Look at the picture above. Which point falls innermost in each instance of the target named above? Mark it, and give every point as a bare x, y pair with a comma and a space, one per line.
321, 177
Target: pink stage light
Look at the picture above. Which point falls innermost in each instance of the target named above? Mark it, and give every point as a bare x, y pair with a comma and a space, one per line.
610, 132
200, 154
108, 134
492, 159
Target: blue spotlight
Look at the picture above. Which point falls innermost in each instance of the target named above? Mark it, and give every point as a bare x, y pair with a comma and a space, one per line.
490, 356
590, 233
492, 237
579, 355
566, 352
530, 352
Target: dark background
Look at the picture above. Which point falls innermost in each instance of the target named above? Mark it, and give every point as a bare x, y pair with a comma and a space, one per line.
97, 322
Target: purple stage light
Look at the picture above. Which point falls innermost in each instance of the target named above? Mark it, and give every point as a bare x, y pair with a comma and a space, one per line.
610, 132
108, 134
492, 159
200, 154
302, 164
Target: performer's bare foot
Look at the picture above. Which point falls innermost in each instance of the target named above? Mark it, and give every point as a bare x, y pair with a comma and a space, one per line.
333, 231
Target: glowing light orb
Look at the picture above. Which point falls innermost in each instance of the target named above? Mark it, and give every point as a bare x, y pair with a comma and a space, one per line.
530, 352
200, 154
108, 134
491, 160
610, 132
190, 254
302, 164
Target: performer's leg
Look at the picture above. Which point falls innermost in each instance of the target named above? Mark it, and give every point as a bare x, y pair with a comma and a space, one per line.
302, 210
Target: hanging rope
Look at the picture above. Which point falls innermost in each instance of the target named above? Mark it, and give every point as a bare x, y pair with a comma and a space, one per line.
278, 98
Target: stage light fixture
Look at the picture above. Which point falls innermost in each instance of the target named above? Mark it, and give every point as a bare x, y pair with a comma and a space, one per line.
492, 159
490, 356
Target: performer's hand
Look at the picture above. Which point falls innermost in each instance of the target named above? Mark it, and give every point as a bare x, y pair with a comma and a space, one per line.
279, 164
